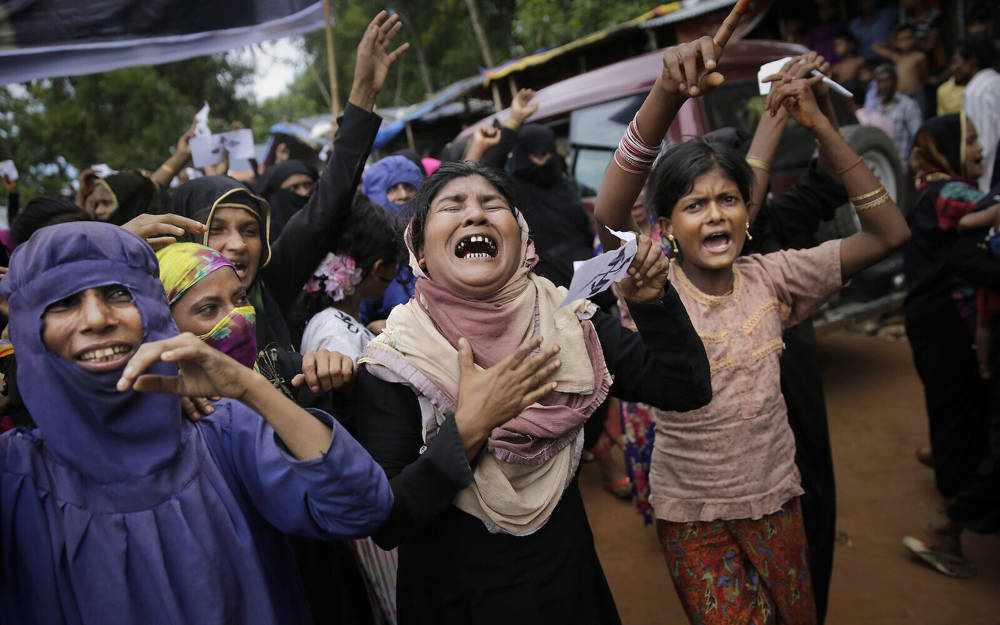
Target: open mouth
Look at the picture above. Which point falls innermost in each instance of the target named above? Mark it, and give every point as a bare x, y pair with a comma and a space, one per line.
717, 242
105, 356
476, 246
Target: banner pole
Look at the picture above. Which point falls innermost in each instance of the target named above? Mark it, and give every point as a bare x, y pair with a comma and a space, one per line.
332, 68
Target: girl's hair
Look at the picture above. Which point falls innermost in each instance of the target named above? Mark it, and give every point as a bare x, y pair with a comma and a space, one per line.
371, 234
675, 173
421, 202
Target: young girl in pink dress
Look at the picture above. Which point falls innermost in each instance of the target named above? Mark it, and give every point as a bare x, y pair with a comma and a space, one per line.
723, 481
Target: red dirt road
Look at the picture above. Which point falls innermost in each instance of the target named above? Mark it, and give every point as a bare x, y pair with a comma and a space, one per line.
877, 419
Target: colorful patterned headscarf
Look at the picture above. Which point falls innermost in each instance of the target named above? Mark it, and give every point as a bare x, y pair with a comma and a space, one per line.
182, 265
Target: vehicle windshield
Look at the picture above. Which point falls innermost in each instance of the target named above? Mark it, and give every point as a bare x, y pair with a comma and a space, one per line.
596, 130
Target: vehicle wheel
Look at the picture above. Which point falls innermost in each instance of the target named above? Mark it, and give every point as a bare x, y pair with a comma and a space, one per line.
880, 156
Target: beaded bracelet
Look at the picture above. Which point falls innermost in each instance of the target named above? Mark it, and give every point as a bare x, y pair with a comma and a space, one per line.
759, 163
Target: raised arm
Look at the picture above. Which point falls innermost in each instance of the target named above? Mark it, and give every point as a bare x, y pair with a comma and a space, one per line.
308, 235
883, 228
688, 71
166, 172
767, 136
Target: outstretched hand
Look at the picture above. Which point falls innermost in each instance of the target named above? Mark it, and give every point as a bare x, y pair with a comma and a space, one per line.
689, 69
162, 230
647, 275
374, 59
203, 370
500, 393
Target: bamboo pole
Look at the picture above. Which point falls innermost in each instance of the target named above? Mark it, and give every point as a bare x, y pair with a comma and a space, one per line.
477, 27
332, 68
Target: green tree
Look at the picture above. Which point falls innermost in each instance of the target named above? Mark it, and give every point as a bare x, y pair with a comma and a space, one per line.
549, 23
128, 118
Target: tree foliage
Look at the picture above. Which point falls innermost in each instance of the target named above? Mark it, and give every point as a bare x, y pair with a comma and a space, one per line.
548, 23
133, 117
128, 118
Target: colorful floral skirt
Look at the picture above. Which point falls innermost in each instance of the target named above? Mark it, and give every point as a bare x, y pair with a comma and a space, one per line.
741, 571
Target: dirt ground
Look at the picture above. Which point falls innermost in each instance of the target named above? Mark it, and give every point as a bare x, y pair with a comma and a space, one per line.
877, 419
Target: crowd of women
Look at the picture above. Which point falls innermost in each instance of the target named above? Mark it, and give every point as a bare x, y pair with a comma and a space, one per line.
354, 396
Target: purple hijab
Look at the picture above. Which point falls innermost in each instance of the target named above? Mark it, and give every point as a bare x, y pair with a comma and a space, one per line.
118, 511
81, 412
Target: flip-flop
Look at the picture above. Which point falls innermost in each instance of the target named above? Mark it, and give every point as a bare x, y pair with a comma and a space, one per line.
944, 563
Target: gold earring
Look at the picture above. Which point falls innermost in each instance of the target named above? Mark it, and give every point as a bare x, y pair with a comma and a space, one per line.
673, 245
749, 236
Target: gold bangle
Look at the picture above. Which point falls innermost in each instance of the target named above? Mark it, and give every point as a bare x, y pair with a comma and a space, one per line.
879, 201
870, 194
167, 168
759, 163
851, 166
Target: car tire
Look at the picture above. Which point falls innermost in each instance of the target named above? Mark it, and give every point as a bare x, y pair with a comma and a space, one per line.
880, 156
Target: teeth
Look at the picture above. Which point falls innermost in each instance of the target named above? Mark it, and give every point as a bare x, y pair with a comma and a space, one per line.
108, 353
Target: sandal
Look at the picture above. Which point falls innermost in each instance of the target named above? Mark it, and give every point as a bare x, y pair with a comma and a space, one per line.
945, 563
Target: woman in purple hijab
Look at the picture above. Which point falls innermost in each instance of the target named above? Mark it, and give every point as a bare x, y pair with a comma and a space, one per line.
116, 509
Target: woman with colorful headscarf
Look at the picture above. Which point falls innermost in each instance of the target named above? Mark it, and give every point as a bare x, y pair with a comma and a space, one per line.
480, 427
117, 510
214, 306
941, 275
207, 299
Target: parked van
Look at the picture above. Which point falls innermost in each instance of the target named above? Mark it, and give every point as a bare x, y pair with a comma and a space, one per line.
590, 112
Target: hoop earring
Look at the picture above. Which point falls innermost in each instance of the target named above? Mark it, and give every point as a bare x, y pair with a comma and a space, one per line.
673, 245
749, 236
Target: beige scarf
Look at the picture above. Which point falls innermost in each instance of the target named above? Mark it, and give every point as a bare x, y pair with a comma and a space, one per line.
511, 492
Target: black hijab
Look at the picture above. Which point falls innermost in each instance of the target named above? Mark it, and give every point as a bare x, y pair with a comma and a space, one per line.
536, 139
198, 199
136, 194
551, 205
284, 203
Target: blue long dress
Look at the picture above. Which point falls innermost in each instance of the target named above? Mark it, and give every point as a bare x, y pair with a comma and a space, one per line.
116, 510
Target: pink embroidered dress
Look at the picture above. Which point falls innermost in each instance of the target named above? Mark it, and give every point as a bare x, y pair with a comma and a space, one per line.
735, 457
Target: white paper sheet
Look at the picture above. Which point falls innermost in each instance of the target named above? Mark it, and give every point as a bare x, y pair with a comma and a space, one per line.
769, 69
102, 170
599, 273
208, 150
201, 126
7, 169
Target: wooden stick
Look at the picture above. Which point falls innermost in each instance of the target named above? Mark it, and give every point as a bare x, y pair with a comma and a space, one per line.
729, 25
332, 68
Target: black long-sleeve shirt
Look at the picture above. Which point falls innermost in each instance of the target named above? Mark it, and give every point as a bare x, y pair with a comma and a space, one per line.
451, 568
